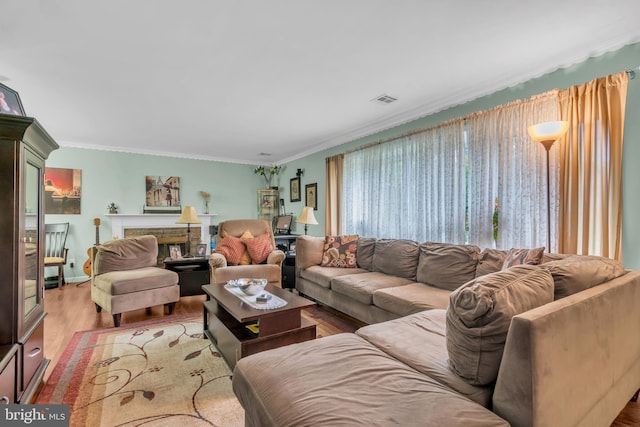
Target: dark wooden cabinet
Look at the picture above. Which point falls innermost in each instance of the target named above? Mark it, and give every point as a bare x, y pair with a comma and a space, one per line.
24, 146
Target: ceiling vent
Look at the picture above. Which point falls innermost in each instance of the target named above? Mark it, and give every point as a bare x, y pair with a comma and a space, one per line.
384, 99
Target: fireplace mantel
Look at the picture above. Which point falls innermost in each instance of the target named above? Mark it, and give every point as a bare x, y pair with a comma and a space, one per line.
120, 222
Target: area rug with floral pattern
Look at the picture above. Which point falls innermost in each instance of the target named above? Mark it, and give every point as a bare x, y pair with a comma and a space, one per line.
160, 373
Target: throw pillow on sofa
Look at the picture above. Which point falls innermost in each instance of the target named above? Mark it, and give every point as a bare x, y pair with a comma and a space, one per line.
340, 251
445, 265
579, 272
479, 315
523, 256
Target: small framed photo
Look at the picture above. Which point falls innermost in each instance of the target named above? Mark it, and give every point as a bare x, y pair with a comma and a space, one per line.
175, 252
201, 250
10, 101
311, 195
294, 189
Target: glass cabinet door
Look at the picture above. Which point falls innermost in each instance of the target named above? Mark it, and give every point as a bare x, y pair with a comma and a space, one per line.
267, 204
31, 265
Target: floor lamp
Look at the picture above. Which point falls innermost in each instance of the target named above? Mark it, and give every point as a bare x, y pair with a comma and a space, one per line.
189, 216
547, 134
306, 217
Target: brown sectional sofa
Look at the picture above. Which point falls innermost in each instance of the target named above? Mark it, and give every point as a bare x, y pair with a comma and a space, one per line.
556, 344
394, 277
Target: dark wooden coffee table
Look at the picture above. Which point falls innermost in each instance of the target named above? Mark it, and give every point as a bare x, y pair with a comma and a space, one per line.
226, 318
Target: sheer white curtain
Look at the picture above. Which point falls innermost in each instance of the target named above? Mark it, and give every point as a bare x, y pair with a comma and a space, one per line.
412, 187
505, 163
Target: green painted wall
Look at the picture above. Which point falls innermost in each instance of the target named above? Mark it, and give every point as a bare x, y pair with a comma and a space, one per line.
109, 176
119, 177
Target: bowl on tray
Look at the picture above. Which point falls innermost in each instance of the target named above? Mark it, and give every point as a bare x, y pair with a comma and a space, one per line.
249, 286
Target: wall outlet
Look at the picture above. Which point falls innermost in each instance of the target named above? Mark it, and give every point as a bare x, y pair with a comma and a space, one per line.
72, 262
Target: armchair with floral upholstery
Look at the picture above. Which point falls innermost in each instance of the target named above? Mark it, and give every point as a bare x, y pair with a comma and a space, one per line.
246, 248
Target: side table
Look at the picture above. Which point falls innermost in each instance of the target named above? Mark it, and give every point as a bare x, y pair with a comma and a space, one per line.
192, 274
289, 270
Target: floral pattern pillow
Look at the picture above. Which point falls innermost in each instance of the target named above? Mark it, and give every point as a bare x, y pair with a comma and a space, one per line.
340, 251
523, 256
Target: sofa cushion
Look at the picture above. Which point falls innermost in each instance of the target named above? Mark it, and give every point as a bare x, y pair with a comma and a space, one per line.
491, 260
410, 298
523, 256
479, 315
366, 249
322, 276
361, 287
396, 257
340, 251
579, 272
370, 388
309, 251
447, 266
126, 254
140, 279
419, 340
259, 247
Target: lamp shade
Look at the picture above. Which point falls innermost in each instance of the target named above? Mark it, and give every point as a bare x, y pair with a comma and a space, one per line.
306, 216
189, 216
548, 131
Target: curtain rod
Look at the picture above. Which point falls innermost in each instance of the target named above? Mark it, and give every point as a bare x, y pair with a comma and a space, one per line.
631, 73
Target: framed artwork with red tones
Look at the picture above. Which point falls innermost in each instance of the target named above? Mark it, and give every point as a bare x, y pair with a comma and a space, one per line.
62, 191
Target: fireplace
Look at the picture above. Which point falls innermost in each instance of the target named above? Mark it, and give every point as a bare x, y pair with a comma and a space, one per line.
164, 227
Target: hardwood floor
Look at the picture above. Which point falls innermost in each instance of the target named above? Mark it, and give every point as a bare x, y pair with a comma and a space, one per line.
71, 310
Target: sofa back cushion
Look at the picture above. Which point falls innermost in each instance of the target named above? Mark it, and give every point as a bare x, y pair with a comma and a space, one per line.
447, 266
126, 254
396, 257
491, 260
308, 251
366, 249
479, 315
579, 272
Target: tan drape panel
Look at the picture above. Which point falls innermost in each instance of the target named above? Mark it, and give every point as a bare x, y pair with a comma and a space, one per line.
590, 219
333, 205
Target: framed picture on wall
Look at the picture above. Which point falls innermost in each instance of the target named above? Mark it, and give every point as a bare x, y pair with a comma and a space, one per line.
311, 195
62, 191
294, 189
10, 101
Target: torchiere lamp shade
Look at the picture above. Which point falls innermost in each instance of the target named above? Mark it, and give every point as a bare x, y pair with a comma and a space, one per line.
547, 133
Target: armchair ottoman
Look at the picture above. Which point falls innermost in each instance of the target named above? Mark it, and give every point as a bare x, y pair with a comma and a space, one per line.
125, 277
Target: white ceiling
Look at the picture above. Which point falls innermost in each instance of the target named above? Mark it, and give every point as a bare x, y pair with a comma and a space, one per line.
228, 80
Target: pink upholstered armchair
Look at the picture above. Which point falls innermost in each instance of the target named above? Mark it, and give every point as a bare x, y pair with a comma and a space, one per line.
246, 248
